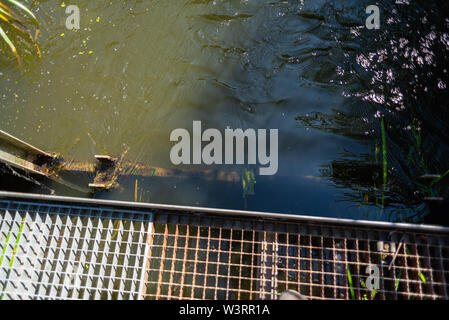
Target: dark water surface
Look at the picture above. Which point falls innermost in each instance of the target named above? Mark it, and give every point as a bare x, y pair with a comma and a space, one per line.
139, 69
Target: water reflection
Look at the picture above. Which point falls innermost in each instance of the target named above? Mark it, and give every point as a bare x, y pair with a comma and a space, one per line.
308, 68
398, 76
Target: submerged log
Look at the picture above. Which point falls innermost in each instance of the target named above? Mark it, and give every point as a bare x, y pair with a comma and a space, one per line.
17, 153
130, 168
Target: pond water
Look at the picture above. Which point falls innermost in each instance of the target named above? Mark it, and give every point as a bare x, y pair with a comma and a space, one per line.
361, 113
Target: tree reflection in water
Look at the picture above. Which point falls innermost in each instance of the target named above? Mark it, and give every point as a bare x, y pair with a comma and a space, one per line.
397, 75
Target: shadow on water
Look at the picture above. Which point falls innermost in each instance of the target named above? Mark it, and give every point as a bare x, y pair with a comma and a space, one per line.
372, 102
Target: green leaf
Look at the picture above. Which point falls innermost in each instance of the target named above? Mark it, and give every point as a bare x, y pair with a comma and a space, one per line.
384, 151
439, 179
396, 284
422, 277
351, 288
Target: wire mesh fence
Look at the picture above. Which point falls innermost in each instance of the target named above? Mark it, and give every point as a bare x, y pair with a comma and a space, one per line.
54, 250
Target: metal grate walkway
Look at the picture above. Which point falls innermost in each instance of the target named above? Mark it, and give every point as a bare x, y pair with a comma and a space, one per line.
70, 252
60, 248
222, 258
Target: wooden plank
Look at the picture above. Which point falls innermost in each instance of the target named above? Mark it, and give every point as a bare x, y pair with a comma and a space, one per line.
129, 168
20, 163
6, 137
97, 185
103, 158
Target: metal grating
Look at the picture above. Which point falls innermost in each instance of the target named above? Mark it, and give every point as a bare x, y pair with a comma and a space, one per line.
207, 257
71, 252
88, 249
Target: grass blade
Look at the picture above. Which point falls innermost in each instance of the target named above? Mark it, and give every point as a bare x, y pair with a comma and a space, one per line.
440, 178
10, 14
384, 151
397, 282
422, 277
4, 248
11, 45
351, 287
25, 10
17, 243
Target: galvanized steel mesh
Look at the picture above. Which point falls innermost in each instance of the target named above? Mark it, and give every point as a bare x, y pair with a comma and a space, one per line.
69, 252
50, 250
